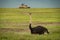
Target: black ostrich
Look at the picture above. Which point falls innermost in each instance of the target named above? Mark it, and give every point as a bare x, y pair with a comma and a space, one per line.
38, 29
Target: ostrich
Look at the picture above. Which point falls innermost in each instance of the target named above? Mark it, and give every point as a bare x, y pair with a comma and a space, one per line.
37, 29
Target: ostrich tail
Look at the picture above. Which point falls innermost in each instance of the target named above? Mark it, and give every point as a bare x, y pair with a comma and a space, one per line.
47, 31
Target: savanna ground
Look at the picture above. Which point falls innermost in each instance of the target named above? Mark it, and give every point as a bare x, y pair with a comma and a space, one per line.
14, 23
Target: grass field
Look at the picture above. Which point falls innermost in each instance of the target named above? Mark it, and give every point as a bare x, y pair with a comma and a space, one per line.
14, 23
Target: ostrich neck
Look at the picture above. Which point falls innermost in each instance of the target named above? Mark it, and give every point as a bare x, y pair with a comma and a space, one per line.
30, 19
30, 22
30, 27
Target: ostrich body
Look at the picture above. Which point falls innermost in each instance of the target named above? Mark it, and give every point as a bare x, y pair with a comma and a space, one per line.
37, 29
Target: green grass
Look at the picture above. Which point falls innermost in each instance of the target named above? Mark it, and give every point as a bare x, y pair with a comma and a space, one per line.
54, 35
15, 18
10, 16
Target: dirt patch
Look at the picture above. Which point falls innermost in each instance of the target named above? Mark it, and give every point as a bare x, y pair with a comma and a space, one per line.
27, 29
12, 29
